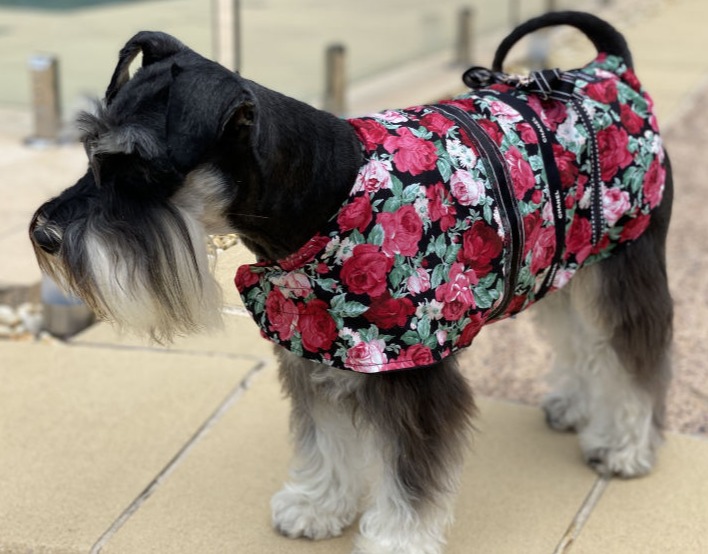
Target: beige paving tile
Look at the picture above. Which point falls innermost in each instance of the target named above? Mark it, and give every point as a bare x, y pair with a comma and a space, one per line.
84, 430
239, 336
522, 487
227, 264
663, 513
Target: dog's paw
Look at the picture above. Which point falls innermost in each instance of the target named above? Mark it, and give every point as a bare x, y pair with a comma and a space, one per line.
297, 514
562, 413
621, 462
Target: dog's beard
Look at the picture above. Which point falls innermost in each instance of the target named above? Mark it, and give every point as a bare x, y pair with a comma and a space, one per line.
150, 275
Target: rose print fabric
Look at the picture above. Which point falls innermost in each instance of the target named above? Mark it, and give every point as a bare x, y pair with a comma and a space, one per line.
464, 213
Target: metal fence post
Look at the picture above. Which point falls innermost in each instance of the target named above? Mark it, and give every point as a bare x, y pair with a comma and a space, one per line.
335, 79
226, 33
44, 74
464, 48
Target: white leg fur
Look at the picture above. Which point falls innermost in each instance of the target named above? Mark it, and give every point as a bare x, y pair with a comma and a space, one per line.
392, 526
594, 394
326, 478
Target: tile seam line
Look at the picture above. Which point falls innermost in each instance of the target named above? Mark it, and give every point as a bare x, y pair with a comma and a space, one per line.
582, 515
160, 350
231, 398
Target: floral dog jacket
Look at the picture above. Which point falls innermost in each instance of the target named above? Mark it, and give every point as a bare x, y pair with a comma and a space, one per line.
465, 213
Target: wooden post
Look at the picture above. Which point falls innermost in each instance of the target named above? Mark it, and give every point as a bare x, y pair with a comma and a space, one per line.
551, 5
226, 33
335, 80
44, 74
464, 48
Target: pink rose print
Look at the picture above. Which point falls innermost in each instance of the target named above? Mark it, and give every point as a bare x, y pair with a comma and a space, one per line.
615, 203
373, 177
456, 295
418, 282
465, 188
521, 172
403, 230
366, 354
411, 154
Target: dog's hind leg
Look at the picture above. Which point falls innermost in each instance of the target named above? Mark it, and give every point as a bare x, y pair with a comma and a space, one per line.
621, 324
420, 421
327, 474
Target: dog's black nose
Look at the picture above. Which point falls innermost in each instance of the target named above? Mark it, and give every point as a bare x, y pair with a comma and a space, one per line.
47, 238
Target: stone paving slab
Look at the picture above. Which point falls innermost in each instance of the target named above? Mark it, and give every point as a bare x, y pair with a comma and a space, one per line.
218, 499
84, 431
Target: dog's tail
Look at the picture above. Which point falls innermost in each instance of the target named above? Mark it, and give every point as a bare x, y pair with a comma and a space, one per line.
604, 36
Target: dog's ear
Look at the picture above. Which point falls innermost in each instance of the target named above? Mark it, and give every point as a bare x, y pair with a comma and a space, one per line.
200, 108
155, 47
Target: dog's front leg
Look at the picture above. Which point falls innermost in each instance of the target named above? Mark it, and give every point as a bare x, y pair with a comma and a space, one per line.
421, 422
326, 475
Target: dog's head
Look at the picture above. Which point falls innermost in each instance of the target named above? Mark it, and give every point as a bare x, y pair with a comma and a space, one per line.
129, 236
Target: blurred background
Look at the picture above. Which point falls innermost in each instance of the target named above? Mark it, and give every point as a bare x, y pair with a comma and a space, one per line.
281, 43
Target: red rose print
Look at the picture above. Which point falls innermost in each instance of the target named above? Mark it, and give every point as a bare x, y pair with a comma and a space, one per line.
306, 254
653, 186
411, 154
613, 144
481, 245
366, 271
470, 331
437, 123
245, 278
370, 132
630, 120
630, 78
403, 230
355, 215
567, 165
579, 239
456, 295
554, 113
604, 91
282, 314
492, 129
416, 355
317, 327
526, 132
521, 173
440, 206
635, 227
543, 250
386, 312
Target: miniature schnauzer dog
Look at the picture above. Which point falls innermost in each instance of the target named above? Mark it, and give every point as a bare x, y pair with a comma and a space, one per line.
384, 243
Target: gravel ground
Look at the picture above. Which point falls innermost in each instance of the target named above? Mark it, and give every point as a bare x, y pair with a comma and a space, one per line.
508, 360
